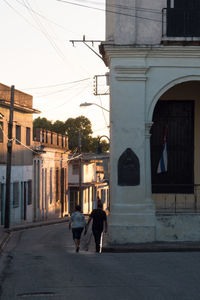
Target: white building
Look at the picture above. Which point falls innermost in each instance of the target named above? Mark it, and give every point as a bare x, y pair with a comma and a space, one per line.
89, 177
50, 175
152, 49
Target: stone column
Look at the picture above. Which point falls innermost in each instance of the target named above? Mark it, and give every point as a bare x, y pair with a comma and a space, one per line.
132, 217
148, 163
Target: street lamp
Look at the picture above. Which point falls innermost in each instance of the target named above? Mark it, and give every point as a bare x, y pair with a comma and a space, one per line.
88, 104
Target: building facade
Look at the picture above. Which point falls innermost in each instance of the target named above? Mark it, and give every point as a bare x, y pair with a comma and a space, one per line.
152, 51
21, 206
87, 174
50, 175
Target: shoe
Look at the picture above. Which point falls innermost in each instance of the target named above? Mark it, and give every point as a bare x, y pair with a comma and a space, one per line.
77, 249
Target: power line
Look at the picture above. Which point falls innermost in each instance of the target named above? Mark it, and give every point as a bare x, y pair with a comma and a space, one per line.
68, 100
58, 91
45, 18
110, 11
143, 9
59, 84
43, 30
16, 11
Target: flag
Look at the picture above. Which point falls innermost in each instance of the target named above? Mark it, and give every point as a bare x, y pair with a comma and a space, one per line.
162, 166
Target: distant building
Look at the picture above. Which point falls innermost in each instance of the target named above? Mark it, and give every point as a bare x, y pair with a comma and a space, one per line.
21, 206
50, 175
89, 176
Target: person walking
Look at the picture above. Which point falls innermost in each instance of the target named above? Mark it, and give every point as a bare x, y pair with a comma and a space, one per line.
77, 223
99, 224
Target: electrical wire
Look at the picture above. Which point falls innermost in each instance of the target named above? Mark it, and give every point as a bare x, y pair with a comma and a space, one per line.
47, 19
43, 30
5, 135
59, 84
103, 111
59, 91
145, 9
110, 11
68, 100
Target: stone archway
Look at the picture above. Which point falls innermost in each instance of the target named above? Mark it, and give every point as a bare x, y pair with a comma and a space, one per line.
179, 106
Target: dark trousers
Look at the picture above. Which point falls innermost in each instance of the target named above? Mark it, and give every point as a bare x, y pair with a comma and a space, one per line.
97, 238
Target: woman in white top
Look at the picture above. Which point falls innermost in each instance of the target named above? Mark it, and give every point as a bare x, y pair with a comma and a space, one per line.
77, 223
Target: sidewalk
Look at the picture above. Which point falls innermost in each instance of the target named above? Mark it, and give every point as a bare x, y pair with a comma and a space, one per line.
125, 248
5, 233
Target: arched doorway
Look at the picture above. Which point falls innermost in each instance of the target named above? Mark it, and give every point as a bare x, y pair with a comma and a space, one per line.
177, 114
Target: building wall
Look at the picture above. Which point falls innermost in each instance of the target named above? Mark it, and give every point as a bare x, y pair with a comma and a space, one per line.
21, 175
139, 78
51, 184
135, 22
89, 173
22, 156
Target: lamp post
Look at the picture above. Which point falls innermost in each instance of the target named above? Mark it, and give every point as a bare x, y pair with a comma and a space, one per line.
89, 103
99, 148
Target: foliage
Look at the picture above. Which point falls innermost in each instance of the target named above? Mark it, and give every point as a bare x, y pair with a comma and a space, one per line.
74, 127
41, 123
59, 127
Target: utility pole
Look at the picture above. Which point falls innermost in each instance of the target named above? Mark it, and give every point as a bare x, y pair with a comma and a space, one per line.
80, 169
9, 159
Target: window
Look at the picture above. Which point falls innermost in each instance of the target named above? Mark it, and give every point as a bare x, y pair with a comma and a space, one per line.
28, 136
15, 194
183, 18
1, 132
57, 140
75, 169
1, 195
18, 134
50, 192
29, 192
57, 184
51, 137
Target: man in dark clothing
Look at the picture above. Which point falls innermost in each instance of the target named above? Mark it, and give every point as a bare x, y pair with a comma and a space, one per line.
99, 224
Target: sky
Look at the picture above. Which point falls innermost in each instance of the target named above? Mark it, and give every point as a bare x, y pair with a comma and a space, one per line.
38, 58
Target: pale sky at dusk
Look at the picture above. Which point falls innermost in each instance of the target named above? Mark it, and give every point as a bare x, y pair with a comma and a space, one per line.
37, 57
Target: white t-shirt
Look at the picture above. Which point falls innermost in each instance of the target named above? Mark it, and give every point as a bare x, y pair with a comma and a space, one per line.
77, 219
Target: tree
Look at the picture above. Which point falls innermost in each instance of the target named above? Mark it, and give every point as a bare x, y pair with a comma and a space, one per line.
59, 127
41, 123
73, 127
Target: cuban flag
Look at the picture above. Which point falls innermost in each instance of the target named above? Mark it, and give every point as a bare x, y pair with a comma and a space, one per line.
162, 166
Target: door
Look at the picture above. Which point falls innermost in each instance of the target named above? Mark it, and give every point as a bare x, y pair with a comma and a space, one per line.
25, 201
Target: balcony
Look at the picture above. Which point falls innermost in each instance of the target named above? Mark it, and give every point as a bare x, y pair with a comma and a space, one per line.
181, 25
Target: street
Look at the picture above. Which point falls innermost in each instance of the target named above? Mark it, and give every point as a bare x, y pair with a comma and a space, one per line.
41, 263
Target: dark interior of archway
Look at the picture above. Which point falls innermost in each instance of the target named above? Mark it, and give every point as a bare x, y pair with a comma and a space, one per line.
176, 111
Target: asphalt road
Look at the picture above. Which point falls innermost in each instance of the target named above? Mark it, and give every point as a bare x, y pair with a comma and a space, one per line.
41, 263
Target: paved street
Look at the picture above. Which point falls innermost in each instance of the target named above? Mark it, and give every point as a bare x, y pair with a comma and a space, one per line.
41, 263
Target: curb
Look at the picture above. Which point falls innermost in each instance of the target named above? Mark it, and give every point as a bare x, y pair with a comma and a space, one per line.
4, 240
38, 224
154, 247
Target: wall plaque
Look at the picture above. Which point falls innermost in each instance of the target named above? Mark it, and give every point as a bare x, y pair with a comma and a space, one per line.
128, 169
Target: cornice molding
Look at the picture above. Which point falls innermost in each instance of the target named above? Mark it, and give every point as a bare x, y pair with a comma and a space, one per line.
150, 51
134, 73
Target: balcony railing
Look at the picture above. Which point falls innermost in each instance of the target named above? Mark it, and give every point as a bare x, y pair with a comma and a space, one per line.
180, 23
